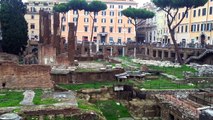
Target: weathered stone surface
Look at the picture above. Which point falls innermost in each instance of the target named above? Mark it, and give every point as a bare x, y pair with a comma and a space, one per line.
71, 43
24, 76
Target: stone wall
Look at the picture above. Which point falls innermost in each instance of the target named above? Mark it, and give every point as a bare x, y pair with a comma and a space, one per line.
17, 76
85, 77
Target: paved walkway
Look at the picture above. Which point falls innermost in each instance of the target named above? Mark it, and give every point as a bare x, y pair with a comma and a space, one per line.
28, 97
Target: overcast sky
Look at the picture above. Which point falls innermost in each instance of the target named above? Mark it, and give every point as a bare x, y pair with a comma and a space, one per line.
138, 1
141, 2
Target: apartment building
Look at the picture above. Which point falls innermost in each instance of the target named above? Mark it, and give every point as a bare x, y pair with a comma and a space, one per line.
197, 26
110, 25
32, 16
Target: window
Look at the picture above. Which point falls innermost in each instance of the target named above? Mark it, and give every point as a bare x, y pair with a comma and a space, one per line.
120, 6
111, 40
182, 29
86, 13
32, 26
32, 17
211, 10
119, 29
63, 28
111, 6
186, 28
119, 41
198, 27
111, 29
111, 13
74, 19
86, 20
199, 12
95, 29
103, 29
204, 12
86, 28
120, 21
120, 13
129, 30
103, 13
75, 12
129, 21
111, 20
103, 20
194, 13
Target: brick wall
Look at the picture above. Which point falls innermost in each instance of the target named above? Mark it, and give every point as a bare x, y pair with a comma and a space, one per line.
24, 76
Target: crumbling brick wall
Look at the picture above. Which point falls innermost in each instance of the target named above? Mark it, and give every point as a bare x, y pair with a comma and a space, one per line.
15, 76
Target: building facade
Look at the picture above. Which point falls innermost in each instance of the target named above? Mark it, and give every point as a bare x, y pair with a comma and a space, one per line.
32, 16
196, 27
110, 25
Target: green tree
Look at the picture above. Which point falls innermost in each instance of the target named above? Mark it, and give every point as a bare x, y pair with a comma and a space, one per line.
95, 7
134, 14
171, 7
14, 26
77, 5
62, 8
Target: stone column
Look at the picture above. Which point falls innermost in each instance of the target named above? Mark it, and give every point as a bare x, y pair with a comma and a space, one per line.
157, 55
56, 33
135, 52
123, 51
169, 54
163, 54
111, 51
97, 46
71, 44
146, 51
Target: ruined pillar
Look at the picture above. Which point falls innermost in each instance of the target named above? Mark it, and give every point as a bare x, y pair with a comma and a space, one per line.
146, 51
135, 52
123, 51
157, 53
45, 27
83, 47
97, 46
71, 43
111, 51
163, 54
56, 33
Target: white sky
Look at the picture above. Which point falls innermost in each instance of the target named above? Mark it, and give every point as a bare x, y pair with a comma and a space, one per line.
138, 1
141, 2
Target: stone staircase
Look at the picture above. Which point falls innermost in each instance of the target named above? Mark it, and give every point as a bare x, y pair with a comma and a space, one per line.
198, 57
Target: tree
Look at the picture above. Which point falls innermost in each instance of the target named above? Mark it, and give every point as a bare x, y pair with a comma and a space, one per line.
137, 14
77, 5
95, 7
14, 26
61, 8
171, 7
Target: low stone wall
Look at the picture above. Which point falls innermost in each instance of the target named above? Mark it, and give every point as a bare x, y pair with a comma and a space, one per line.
16, 76
85, 77
199, 80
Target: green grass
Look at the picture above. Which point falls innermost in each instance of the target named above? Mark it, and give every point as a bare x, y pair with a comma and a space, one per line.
178, 72
82, 104
38, 100
112, 111
163, 83
10, 98
86, 70
95, 85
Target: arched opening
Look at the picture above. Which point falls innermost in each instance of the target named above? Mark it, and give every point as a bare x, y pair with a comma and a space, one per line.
202, 40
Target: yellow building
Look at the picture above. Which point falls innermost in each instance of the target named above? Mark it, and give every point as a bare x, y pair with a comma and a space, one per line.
110, 26
32, 16
196, 26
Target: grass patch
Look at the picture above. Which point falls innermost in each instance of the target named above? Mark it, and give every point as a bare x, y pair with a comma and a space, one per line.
10, 98
86, 70
95, 85
82, 104
38, 100
178, 72
112, 111
163, 83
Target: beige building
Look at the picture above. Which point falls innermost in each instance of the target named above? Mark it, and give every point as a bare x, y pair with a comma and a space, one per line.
32, 16
110, 26
197, 26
